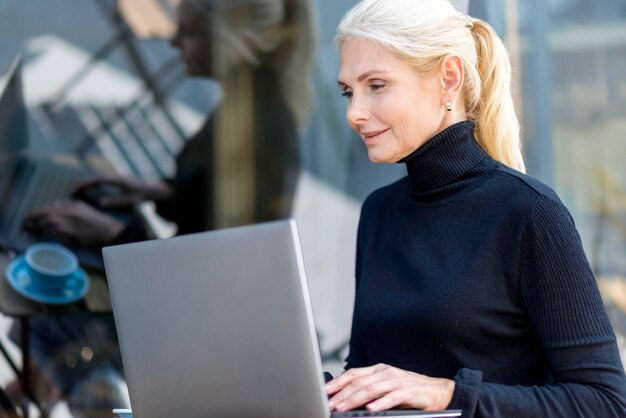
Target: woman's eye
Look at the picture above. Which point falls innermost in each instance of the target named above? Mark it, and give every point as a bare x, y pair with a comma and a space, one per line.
375, 87
347, 94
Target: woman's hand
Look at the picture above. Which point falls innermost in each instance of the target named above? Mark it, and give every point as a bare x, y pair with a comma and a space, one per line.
125, 190
74, 222
383, 387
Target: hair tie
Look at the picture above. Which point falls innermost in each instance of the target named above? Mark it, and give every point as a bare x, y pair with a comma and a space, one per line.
467, 20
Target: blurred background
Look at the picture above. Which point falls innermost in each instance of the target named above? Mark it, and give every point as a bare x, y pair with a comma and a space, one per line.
100, 77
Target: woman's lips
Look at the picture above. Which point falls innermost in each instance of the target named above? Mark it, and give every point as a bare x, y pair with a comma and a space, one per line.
369, 137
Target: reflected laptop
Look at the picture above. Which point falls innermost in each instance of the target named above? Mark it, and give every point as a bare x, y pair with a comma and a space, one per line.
27, 183
220, 324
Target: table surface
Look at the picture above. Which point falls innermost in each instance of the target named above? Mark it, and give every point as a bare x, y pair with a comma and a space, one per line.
12, 303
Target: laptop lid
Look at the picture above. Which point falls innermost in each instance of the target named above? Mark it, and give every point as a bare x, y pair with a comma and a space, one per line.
13, 122
220, 324
13, 138
217, 324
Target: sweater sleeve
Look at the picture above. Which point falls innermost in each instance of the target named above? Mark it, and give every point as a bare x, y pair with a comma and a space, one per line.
565, 310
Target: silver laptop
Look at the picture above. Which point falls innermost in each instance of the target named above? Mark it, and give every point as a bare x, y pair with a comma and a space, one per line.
219, 324
27, 183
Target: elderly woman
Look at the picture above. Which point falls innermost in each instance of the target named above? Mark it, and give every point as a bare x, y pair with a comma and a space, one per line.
472, 288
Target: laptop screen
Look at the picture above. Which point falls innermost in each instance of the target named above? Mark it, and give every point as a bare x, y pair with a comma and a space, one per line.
13, 123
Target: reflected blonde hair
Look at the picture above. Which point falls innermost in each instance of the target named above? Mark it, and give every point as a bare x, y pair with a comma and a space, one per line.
277, 34
422, 33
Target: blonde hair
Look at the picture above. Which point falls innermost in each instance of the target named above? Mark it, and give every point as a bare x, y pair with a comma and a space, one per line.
422, 33
277, 34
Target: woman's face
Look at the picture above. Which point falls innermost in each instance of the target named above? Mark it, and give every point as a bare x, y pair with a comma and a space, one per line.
192, 39
393, 109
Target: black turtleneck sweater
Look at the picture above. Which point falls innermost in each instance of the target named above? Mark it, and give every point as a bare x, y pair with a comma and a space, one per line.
469, 270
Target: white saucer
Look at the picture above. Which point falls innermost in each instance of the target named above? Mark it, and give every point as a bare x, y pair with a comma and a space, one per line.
75, 287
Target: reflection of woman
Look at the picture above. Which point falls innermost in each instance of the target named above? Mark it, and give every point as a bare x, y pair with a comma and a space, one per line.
473, 290
260, 52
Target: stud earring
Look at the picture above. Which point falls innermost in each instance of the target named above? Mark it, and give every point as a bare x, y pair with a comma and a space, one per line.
449, 106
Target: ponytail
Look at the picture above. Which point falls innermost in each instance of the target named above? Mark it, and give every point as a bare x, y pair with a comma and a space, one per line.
496, 125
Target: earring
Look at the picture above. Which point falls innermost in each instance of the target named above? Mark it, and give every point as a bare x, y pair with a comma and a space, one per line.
449, 106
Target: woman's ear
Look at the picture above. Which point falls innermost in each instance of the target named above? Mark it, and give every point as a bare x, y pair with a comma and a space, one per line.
452, 78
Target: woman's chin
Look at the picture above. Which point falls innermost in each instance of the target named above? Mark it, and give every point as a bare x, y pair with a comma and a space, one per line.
380, 157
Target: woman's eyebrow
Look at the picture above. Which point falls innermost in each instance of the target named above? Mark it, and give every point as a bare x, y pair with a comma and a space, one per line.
369, 73
363, 76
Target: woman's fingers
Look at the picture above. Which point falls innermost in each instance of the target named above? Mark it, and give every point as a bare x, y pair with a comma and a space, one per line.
362, 391
96, 181
394, 399
360, 386
383, 387
347, 377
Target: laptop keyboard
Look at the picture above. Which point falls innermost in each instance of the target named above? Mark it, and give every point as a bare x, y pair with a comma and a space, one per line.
361, 414
396, 413
44, 182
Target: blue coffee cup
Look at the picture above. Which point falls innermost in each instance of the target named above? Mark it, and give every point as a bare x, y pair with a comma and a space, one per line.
49, 266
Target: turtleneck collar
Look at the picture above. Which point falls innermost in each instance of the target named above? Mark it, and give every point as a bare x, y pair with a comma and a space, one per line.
446, 157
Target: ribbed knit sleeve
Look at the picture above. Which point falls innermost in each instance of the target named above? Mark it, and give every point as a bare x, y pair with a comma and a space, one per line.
558, 287
566, 312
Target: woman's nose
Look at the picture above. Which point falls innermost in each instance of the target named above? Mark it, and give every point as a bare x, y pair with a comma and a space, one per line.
357, 111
